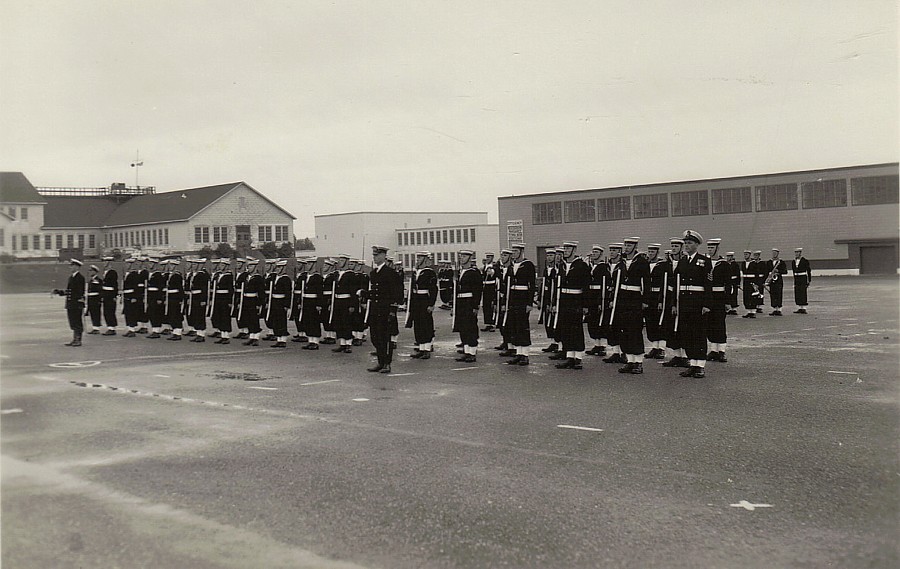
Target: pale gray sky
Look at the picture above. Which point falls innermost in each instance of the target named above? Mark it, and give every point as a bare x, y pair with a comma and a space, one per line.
383, 105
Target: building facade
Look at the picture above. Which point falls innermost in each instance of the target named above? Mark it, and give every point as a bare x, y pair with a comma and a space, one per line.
846, 219
444, 242
354, 233
96, 221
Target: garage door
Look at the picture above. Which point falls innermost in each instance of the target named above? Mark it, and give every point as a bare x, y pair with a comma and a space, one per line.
877, 260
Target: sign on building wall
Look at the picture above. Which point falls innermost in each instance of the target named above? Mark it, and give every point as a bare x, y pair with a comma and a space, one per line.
515, 232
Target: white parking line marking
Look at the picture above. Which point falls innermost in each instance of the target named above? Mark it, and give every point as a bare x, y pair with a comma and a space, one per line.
847, 372
261, 387
9, 411
748, 506
161, 375
580, 428
463, 368
75, 364
402, 374
360, 399
318, 382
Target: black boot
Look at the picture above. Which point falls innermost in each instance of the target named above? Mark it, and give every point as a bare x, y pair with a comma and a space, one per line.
552, 348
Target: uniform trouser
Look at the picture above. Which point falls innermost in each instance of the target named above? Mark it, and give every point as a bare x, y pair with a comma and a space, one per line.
613, 334
156, 312
629, 325
380, 330
221, 316
249, 317
93, 310
489, 305
446, 295
761, 297
359, 319
174, 318
691, 333
800, 293
733, 297
326, 317
109, 311
76, 321
342, 321
776, 293
594, 328
501, 323
671, 338
466, 324
423, 327
278, 319
715, 325
548, 323
571, 329
750, 299
655, 331
132, 309
518, 327
197, 317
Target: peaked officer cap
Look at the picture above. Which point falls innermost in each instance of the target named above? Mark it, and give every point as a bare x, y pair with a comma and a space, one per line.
691, 235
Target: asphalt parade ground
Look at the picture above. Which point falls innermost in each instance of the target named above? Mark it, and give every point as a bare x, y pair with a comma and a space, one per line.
131, 452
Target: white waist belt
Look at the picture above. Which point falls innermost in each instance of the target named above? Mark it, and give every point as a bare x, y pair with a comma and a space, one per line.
421, 291
327, 292
718, 289
93, 294
152, 288
570, 290
519, 287
278, 296
655, 289
464, 295
800, 274
308, 295
250, 295
596, 287
490, 282
342, 296
126, 291
692, 288
171, 290
222, 291
196, 291
631, 288
108, 288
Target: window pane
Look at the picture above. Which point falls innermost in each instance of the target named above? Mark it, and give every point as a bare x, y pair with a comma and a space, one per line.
872, 190
92, 241
48, 242
445, 236
609, 209
690, 203
24, 213
81, 241
473, 234
777, 197
731, 200
653, 205
824, 193
24, 243
544, 213
580, 210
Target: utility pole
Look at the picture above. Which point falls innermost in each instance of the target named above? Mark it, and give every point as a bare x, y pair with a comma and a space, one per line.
137, 166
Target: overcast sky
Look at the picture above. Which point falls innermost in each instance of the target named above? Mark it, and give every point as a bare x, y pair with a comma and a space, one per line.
330, 107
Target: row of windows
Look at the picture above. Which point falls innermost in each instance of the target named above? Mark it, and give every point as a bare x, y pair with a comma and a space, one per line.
872, 190
219, 234
139, 237
47, 241
409, 259
266, 233
23, 212
436, 237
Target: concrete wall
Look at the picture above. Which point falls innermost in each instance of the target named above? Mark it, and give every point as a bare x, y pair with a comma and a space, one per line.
819, 231
355, 233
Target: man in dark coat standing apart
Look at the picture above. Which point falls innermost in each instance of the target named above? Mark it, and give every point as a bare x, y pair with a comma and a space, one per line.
74, 294
383, 299
802, 278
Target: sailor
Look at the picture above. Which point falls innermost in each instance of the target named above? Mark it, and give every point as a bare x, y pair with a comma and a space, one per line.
613, 336
734, 282
574, 283
240, 280
144, 274
279, 300
748, 278
94, 299
132, 297
383, 297
358, 318
776, 269
74, 293
423, 292
311, 305
761, 274
673, 343
344, 304
802, 278
503, 268
223, 296
270, 274
519, 303
468, 292
156, 296
694, 287
300, 274
445, 285
716, 334
108, 295
198, 301
328, 285
186, 304
659, 299
248, 312
489, 292
174, 298
634, 296
548, 300
597, 301
401, 278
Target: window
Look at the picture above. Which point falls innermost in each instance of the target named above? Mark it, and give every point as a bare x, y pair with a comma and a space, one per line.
466, 235
81, 241
2, 237
92, 241
281, 233
459, 235
580, 210
154, 237
652, 205
437, 236
12, 212
242, 203
873, 190
776, 197
399, 240
473, 234
431, 237
59, 242
452, 236
445, 236
406, 238
36, 242
201, 234
732, 200
544, 213
824, 193
24, 213
166, 236
13, 242
70, 241
265, 233
24, 242
418, 235
690, 203
453, 256
609, 209
48, 242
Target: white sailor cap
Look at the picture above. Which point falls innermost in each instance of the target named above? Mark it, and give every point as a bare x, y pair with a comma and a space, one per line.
174, 262
131, 260
252, 261
729, 254
676, 241
423, 254
747, 251
199, 261
343, 256
616, 245
656, 246
776, 249
379, 249
94, 268
468, 252
570, 244
551, 250
631, 240
281, 262
518, 246
107, 258
714, 241
506, 251
488, 254
329, 262
757, 252
798, 249
596, 247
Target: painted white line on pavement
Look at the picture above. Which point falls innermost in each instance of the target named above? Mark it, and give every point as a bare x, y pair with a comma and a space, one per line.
847, 372
318, 382
261, 387
402, 374
360, 399
9, 411
75, 364
580, 428
463, 368
748, 506
161, 375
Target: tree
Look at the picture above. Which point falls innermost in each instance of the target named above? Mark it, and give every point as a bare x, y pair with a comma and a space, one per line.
269, 250
206, 252
285, 250
304, 244
225, 251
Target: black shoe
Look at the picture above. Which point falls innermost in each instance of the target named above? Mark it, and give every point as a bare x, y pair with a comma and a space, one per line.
637, 368
377, 368
92, 332
356, 342
251, 342
732, 312
166, 332
310, 346
759, 310
109, 333
558, 356
659, 355
699, 372
466, 358
552, 348
73, 343
722, 357
129, 334
501, 347
268, 337
300, 339
515, 360
676, 362
340, 349
777, 313
296, 340
425, 356
712, 356
175, 337
198, 339
223, 341
689, 372
627, 367
523, 361
615, 359
800, 311
216, 334
566, 364
153, 335
507, 353
143, 331
385, 369
279, 345
460, 345
241, 335
597, 351
190, 333
328, 341
748, 315
418, 354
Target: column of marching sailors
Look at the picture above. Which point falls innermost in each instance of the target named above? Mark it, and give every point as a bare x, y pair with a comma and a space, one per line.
678, 301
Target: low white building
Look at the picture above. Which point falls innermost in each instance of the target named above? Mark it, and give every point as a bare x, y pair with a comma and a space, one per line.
445, 241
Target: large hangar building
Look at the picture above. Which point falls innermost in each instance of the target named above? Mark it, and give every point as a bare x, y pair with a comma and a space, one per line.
846, 219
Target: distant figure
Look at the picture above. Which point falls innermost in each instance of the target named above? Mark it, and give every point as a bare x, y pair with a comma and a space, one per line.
802, 278
74, 294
